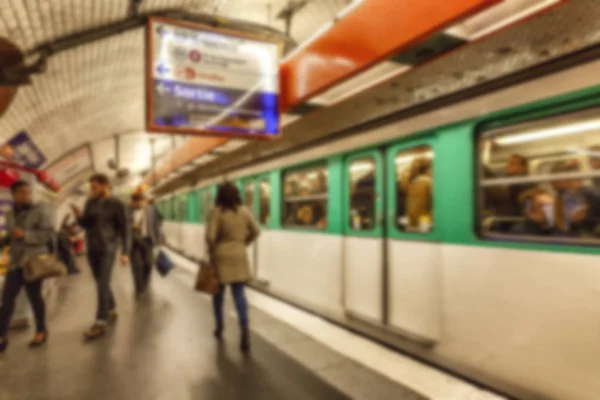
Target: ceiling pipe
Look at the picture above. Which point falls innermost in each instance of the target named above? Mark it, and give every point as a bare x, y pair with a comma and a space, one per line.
137, 21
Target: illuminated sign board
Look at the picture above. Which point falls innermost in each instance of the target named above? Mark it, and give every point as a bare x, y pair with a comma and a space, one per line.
207, 82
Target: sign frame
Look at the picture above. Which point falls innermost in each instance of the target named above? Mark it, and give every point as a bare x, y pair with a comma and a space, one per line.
149, 87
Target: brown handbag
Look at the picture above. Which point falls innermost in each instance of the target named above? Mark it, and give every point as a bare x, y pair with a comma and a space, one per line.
207, 280
43, 266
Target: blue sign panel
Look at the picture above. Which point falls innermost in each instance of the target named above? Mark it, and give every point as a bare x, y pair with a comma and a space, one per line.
25, 151
211, 83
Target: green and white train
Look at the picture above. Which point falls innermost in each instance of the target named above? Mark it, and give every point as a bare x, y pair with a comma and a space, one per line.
466, 286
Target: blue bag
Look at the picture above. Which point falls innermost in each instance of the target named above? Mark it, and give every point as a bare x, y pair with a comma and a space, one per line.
164, 265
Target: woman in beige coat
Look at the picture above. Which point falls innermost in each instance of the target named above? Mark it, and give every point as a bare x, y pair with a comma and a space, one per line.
231, 228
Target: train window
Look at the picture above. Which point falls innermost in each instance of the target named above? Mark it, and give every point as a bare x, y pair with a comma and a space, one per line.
362, 194
541, 179
249, 196
414, 190
265, 202
305, 197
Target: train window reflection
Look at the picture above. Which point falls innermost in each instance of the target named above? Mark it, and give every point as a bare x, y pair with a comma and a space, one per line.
305, 197
542, 179
414, 190
265, 202
362, 194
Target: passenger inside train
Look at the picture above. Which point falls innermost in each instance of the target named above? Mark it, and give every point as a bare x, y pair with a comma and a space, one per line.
544, 190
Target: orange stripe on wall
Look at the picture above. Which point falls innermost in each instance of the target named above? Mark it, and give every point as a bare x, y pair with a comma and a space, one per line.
373, 31
184, 154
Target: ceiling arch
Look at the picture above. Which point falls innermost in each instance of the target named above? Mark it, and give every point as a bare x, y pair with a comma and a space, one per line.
92, 91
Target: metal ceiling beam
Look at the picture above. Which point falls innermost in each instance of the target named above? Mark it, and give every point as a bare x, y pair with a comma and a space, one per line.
288, 13
140, 20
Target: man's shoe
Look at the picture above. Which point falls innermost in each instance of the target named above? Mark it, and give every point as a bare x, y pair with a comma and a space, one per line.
113, 316
3, 345
95, 332
39, 340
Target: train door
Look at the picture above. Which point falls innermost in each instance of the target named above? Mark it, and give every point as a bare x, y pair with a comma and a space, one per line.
364, 236
391, 258
249, 191
413, 251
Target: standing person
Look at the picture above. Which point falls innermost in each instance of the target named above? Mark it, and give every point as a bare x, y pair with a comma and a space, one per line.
419, 194
231, 228
104, 219
65, 247
30, 229
146, 233
158, 213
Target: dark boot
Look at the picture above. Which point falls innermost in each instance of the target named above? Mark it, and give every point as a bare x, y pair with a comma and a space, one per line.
218, 332
3, 345
245, 341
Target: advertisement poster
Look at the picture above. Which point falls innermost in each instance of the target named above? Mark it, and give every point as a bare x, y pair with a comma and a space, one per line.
213, 83
24, 151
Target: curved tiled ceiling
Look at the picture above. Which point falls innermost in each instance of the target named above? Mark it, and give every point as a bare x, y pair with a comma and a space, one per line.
95, 91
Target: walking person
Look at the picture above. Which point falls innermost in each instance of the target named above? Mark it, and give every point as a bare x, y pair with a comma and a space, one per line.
146, 234
104, 220
30, 230
231, 228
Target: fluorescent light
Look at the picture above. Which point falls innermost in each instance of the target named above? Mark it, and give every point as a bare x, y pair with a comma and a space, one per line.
308, 41
324, 28
363, 166
531, 136
498, 17
186, 168
359, 83
409, 158
348, 9
579, 150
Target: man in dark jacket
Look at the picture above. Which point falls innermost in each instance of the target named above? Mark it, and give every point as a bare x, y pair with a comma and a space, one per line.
104, 219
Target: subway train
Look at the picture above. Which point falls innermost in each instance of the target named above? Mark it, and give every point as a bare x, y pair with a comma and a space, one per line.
466, 236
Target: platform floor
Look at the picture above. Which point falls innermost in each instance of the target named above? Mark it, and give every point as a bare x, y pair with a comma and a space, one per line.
161, 348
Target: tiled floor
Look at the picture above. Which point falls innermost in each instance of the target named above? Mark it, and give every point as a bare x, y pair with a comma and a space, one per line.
161, 348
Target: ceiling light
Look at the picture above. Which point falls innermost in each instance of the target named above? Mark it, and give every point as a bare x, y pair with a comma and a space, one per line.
498, 17
361, 167
361, 82
348, 9
579, 150
531, 136
304, 44
409, 158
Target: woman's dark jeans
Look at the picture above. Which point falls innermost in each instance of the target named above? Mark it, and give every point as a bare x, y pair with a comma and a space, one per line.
241, 305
